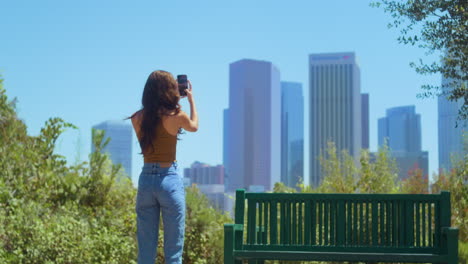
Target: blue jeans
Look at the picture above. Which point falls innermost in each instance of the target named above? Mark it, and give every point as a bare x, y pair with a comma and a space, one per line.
160, 190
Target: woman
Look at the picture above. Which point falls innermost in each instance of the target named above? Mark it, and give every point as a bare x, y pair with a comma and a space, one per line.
160, 186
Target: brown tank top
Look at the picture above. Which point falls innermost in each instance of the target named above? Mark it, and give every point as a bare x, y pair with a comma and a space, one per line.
164, 145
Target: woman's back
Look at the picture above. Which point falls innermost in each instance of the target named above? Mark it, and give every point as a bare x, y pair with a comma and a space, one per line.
164, 139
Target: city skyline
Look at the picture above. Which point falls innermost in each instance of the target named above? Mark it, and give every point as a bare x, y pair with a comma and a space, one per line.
71, 61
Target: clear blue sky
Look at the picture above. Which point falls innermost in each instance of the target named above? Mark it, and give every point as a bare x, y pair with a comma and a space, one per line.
87, 61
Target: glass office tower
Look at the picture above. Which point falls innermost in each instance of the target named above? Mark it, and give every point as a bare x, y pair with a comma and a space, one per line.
292, 133
450, 135
402, 129
252, 125
120, 144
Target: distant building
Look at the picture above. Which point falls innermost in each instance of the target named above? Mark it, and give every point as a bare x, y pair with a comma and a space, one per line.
201, 173
252, 125
401, 128
335, 107
120, 144
292, 133
365, 120
450, 135
210, 181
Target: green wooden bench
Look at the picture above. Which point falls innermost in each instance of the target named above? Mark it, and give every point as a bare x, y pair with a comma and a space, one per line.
341, 227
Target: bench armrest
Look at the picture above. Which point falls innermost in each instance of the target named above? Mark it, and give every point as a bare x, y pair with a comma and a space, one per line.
232, 241
233, 227
450, 231
450, 237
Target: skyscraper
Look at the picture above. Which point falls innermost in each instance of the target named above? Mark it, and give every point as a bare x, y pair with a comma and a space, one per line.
120, 144
450, 135
252, 147
365, 120
292, 133
402, 129
335, 106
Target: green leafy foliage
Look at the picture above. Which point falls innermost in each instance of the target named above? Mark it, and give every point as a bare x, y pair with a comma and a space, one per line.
339, 171
341, 175
456, 181
204, 230
436, 25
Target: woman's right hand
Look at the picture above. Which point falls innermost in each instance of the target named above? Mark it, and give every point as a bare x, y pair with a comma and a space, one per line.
189, 123
189, 92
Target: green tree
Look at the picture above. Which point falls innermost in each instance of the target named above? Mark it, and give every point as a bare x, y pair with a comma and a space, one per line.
436, 25
341, 175
415, 183
338, 170
381, 176
456, 181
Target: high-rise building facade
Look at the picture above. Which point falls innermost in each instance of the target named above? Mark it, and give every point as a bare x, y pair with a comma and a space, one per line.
226, 139
292, 133
120, 144
253, 123
335, 106
401, 130
450, 134
365, 120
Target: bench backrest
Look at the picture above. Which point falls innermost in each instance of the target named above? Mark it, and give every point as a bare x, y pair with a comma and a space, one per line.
377, 222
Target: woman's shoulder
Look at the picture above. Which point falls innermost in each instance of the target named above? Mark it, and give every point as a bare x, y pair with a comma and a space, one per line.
181, 114
136, 117
137, 114
175, 118
176, 115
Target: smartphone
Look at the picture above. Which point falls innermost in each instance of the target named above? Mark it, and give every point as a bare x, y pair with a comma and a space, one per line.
183, 84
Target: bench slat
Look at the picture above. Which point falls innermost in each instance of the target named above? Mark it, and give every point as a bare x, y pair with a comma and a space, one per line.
342, 196
273, 223
308, 219
338, 256
316, 248
251, 221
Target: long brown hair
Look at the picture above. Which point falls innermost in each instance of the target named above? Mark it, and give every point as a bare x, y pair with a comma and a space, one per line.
160, 97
